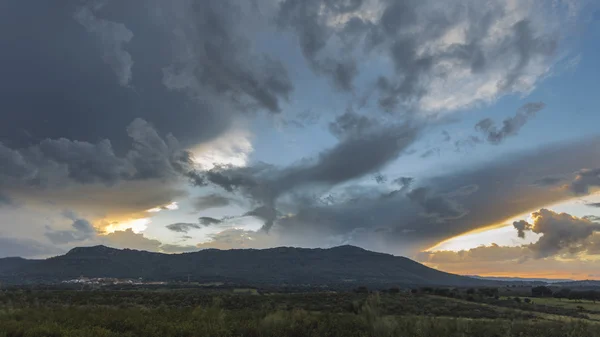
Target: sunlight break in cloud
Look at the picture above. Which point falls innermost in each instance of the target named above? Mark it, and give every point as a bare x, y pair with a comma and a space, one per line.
136, 225
232, 148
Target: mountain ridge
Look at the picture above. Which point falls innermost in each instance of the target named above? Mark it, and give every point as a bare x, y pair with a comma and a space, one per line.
343, 265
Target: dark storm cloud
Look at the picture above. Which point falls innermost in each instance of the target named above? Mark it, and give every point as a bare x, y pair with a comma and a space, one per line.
333, 38
84, 70
182, 227
510, 126
211, 201
53, 163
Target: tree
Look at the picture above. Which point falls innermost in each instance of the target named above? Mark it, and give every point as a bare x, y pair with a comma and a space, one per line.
541, 291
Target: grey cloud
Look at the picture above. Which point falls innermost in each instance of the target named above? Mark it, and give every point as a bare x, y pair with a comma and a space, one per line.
19, 247
313, 33
585, 180
447, 136
404, 182
351, 124
510, 126
559, 232
113, 37
431, 152
81, 230
503, 190
265, 213
331, 37
525, 44
211, 201
380, 178
548, 181
57, 162
186, 67
350, 159
438, 206
593, 204
177, 249
208, 221
521, 226
5, 200
182, 227
593, 218
129, 239
468, 143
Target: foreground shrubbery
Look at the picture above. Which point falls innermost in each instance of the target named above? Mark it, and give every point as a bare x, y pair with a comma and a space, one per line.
367, 318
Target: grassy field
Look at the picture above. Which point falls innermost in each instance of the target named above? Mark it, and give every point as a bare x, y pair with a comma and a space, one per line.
26, 313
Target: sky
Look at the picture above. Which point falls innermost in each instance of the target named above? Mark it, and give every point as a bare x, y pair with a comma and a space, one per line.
461, 134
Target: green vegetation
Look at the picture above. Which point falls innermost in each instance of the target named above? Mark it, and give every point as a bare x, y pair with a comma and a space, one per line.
164, 313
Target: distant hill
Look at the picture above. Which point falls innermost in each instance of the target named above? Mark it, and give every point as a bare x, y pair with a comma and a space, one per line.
520, 279
339, 266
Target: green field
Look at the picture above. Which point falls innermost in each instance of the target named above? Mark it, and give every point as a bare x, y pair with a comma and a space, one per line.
201, 312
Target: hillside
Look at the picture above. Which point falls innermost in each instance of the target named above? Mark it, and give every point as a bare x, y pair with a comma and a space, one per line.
339, 266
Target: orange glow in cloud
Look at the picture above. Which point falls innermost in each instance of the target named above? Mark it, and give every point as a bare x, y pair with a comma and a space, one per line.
136, 225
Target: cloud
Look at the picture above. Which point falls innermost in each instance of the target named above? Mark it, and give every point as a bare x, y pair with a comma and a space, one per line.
438, 206
510, 126
186, 67
21, 247
209, 201
593, 218
404, 182
351, 158
521, 226
491, 253
176, 249
57, 164
426, 50
5, 200
351, 124
181, 227
113, 37
486, 194
585, 180
81, 230
563, 238
548, 181
207, 221
129, 239
559, 232
593, 204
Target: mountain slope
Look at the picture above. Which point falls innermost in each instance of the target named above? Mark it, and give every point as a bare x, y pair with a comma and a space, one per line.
345, 265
